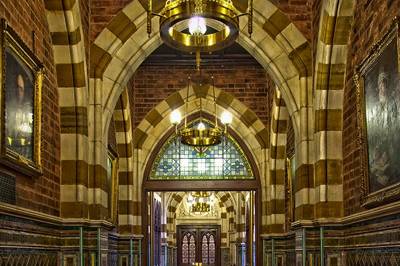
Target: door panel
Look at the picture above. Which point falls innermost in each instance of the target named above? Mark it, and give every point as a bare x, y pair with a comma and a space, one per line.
208, 254
198, 244
188, 247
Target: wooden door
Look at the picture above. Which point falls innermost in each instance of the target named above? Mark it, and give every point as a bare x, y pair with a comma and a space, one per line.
198, 244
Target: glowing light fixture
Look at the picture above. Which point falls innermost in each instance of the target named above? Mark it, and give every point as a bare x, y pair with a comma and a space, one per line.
197, 25
201, 135
175, 117
198, 13
201, 202
226, 118
201, 126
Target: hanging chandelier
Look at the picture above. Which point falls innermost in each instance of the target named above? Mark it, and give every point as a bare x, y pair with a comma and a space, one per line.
197, 26
201, 202
200, 135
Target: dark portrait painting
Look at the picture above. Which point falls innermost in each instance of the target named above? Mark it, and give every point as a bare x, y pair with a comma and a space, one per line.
382, 102
19, 105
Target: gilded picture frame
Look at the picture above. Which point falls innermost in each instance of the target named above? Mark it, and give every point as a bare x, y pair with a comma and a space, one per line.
377, 82
21, 86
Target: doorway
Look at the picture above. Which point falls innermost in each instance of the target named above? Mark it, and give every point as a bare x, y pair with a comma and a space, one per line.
199, 244
210, 228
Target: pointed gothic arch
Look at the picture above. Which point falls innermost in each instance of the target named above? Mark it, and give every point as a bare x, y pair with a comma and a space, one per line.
276, 43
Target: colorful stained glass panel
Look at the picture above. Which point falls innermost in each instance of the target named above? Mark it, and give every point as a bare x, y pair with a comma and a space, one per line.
223, 161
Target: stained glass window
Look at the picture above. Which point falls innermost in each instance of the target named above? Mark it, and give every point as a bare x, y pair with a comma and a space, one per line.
208, 249
185, 249
188, 248
204, 249
211, 248
192, 249
223, 161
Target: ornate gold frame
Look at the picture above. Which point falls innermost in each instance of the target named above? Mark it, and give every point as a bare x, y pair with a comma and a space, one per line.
392, 192
9, 39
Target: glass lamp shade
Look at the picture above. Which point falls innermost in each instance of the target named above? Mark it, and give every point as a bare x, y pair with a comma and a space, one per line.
197, 25
226, 118
201, 126
175, 117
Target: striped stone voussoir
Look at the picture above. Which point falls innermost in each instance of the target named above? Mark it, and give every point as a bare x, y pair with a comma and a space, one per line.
275, 204
245, 123
285, 35
174, 200
276, 43
241, 218
69, 55
228, 212
129, 207
330, 76
119, 31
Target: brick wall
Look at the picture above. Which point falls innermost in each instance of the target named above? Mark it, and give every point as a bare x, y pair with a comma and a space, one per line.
42, 193
300, 13
102, 12
369, 25
246, 80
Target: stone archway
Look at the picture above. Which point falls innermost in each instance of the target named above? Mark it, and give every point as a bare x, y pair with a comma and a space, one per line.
117, 54
329, 82
277, 167
155, 128
123, 130
156, 124
276, 44
232, 219
123, 45
229, 210
69, 55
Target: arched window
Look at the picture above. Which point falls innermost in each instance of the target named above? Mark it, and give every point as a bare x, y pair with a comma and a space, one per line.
208, 249
223, 161
188, 248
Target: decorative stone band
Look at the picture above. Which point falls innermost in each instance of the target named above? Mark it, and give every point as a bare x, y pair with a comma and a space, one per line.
119, 50
227, 215
129, 209
148, 133
275, 204
77, 192
226, 200
125, 40
174, 200
330, 76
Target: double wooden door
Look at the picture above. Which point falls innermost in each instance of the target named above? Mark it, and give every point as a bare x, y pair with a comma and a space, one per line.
198, 244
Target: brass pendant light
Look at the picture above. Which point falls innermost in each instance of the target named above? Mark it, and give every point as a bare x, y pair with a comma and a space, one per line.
194, 35
202, 136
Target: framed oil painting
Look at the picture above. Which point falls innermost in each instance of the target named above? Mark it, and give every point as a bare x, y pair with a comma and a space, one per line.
21, 82
378, 89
